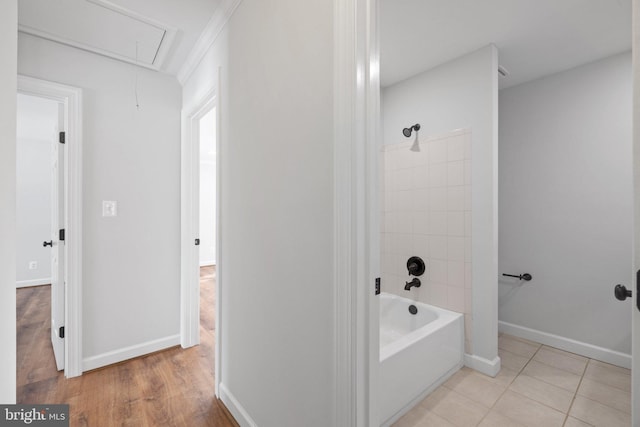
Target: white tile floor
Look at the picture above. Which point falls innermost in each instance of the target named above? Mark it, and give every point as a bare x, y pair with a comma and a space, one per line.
538, 386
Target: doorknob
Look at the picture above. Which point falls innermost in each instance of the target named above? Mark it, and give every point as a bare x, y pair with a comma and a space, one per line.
621, 292
49, 243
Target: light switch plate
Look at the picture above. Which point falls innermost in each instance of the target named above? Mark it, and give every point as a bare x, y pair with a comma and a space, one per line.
109, 208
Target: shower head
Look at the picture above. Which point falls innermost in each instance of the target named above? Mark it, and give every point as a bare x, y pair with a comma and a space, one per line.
407, 131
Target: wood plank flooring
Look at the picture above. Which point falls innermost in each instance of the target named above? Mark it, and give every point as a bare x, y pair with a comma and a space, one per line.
174, 387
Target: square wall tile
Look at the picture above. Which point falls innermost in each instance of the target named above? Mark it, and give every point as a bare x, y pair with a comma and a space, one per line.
437, 270
455, 274
455, 198
467, 172
404, 222
467, 275
455, 224
455, 248
421, 199
438, 247
422, 156
467, 249
405, 200
421, 246
455, 299
438, 199
420, 177
455, 173
467, 198
467, 223
437, 151
467, 145
455, 148
438, 294
438, 223
403, 177
438, 175
420, 222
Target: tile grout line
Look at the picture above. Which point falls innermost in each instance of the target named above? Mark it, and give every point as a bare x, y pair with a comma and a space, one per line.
566, 417
508, 385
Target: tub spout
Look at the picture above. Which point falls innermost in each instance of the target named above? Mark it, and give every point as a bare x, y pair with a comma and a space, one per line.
415, 283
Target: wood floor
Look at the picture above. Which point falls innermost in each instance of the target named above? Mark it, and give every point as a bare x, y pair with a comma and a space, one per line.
174, 387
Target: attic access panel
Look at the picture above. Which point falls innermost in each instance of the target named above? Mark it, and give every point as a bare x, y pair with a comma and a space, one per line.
100, 27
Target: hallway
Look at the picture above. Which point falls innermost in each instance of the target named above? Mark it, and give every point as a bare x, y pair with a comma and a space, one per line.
174, 387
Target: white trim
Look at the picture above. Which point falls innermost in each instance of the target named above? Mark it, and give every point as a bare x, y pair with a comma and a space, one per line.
220, 326
208, 263
130, 352
567, 344
208, 36
33, 282
356, 235
161, 54
71, 97
233, 405
480, 364
189, 254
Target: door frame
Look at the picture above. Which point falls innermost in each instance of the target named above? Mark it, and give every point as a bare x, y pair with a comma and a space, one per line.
71, 98
189, 227
635, 280
356, 217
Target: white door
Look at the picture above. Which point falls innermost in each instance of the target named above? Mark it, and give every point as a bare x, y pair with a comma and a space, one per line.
57, 246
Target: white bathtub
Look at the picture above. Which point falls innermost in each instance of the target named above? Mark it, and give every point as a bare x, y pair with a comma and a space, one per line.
417, 353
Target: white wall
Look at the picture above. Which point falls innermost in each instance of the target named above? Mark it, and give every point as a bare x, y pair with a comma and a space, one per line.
462, 94
277, 208
36, 134
8, 89
208, 177
131, 277
565, 202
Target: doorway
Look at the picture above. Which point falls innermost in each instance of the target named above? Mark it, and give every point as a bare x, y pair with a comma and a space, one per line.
39, 251
200, 224
54, 121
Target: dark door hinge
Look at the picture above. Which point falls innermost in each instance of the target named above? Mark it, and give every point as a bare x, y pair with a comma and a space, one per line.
61, 235
197, 242
62, 137
377, 286
638, 290
61, 332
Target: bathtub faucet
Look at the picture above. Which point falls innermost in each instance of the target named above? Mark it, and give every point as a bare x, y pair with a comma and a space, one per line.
415, 283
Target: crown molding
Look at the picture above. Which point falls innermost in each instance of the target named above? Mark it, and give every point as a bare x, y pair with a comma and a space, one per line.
209, 35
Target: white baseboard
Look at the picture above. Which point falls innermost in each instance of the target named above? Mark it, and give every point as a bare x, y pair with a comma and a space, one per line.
207, 263
480, 364
587, 350
126, 353
236, 409
33, 282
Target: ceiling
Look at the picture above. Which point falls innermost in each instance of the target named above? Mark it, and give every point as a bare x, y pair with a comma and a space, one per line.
535, 38
157, 34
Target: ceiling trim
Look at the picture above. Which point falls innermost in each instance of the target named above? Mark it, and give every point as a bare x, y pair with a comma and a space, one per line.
161, 54
222, 14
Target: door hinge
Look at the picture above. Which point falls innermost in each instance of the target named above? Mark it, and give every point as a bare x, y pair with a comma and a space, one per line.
62, 137
61, 235
377, 286
638, 290
197, 242
61, 332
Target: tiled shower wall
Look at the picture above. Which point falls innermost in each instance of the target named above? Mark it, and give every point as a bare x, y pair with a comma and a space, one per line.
426, 212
